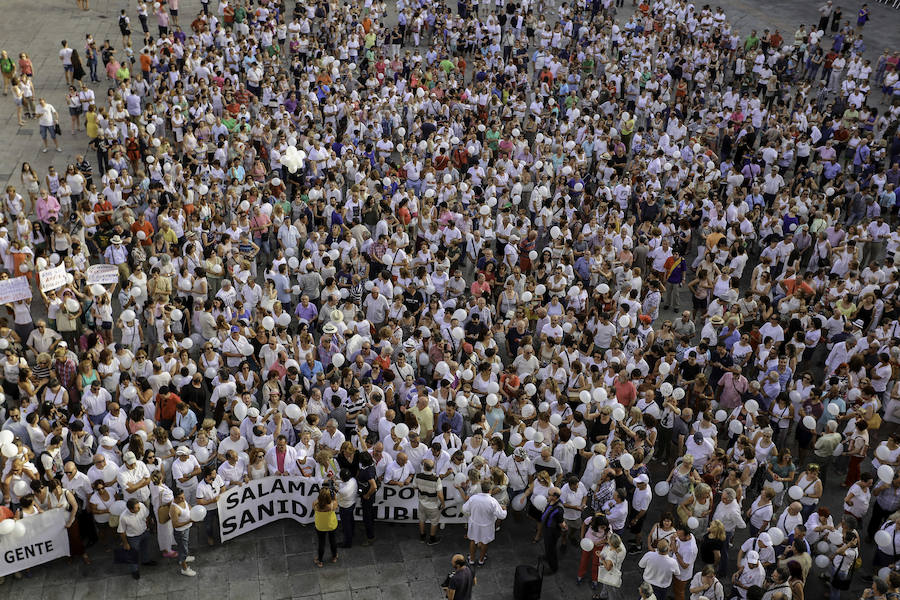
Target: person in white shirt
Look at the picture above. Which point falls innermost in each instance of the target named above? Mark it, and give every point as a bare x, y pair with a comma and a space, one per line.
135, 536
185, 469
281, 459
234, 470
47, 120
180, 517
640, 503
483, 511
400, 471
208, 491
749, 574
134, 478
573, 497
685, 553
659, 569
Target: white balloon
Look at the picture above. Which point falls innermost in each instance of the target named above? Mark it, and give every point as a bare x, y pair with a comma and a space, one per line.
822, 561
693, 523
198, 513
776, 486
539, 502
118, 507
555, 420
587, 545
721, 415
776, 534
584, 396
187, 343
544, 407
268, 323
618, 414
401, 430
338, 360
627, 461
795, 492
492, 400
678, 393
529, 433
293, 412
735, 428
809, 422
579, 442
664, 368
823, 547
882, 452
661, 488
240, 410
21, 488
530, 389
178, 433
883, 539
624, 321
666, 389
599, 462
7, 526
515, 439
833, 409
6, 437
886, 473
459, 478
528, 411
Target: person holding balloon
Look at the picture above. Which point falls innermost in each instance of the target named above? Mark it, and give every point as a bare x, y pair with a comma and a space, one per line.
180, 514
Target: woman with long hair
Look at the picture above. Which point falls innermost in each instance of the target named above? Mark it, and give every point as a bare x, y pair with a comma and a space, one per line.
326, 523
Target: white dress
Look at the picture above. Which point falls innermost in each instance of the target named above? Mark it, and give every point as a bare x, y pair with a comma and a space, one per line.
483, 511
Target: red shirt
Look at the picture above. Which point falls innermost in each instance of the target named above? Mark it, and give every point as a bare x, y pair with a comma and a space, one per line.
625, 392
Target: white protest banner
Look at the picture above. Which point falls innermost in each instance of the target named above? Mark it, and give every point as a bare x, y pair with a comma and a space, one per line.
53, 278
102, 274
45, 539
14, 289
261, 501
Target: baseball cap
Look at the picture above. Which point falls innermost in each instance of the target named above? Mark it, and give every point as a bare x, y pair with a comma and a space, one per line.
183, 451
642, 478
129, 458
753, 557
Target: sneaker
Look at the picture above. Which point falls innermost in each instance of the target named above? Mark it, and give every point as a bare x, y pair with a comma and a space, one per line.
594, 585
434, 540
59, 149
44, 150
189, 572
481, 562
579, 580
189, 559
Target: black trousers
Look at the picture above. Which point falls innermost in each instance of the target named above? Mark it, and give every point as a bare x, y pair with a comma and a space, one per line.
321, 535
551, 548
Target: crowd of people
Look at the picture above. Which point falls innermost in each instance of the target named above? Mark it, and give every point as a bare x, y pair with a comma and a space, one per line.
578, 266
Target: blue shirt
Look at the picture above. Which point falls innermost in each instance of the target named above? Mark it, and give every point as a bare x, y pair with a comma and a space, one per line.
456, 423
311, 372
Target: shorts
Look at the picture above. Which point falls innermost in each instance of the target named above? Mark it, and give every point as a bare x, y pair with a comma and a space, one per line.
74, 111
68, 68
429, 515
173, 12
48, 130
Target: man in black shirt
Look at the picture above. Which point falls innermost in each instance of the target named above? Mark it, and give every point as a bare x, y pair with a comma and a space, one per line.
368, 485
460, 583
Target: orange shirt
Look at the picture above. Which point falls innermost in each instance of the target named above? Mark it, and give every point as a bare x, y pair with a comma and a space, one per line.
147, 228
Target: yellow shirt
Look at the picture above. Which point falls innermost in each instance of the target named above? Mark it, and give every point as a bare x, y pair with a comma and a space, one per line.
325, 520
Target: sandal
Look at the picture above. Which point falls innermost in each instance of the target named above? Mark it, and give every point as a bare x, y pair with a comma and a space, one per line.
319, 563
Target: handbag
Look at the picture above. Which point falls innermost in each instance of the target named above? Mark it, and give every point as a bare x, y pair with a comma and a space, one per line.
162, 514
56, 129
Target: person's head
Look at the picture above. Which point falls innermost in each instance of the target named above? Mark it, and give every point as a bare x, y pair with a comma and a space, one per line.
458, 561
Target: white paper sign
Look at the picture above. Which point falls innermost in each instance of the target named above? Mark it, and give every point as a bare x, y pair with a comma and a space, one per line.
45, 539
14, 289
102, 274
53, 278
270, 499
